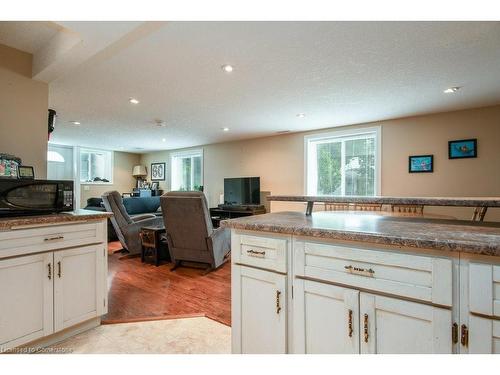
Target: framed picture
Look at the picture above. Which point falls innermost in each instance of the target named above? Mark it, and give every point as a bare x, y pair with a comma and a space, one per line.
25, 172
155, 185
421, 164
157, 171
461, 149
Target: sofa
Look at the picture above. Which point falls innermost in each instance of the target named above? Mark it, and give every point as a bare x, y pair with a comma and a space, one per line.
133, 206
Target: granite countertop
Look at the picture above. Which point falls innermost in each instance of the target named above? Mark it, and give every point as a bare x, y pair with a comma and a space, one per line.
427, 201
7, 223
450, 235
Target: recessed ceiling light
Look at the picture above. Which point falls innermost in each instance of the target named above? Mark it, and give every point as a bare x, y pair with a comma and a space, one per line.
301, 115
163, 139
451, 90
225, 129
227, 68
133, 101
75, 122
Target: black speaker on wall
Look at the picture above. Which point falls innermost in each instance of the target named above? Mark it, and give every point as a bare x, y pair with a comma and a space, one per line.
52, 121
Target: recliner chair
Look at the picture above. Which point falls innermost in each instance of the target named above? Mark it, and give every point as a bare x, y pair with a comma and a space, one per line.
189, 231
127, 227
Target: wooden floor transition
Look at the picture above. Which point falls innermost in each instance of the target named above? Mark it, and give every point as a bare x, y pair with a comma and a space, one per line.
141, 291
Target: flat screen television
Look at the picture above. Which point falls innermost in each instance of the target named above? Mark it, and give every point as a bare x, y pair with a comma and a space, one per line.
242, 191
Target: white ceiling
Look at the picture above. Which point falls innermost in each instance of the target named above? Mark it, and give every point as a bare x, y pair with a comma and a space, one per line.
338, 73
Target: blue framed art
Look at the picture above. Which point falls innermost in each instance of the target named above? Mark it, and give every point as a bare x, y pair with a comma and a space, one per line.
421, 164
461, 149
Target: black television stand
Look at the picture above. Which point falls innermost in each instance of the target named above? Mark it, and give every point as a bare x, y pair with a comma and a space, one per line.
224, 212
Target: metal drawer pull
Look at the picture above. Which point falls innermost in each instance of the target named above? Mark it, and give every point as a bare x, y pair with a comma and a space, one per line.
365, 327
464, 337
50, 271
54, 238
255, 253
350, 323
454, 333
360, 271
278, 307
59, 269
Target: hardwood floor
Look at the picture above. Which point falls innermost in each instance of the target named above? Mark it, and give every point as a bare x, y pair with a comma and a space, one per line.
141, 291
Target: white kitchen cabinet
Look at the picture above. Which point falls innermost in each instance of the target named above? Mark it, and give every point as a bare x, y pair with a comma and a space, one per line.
78, 287
52, 278
390, 325
326, 318
259, 311
479, 328
483, 335
26, 299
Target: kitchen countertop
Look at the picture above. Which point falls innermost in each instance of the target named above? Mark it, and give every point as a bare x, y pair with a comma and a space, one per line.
449, 235
8, 223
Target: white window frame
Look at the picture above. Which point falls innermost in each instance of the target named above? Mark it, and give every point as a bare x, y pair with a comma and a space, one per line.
346, 135
111, 161
185, 154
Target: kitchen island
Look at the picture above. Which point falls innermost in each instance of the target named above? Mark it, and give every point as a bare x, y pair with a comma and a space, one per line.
53, 277
358, 282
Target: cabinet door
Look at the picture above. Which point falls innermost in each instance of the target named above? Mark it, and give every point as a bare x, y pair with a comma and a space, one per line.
390, 325
484, 335
26, 299
78, 286
259, 311
325, 318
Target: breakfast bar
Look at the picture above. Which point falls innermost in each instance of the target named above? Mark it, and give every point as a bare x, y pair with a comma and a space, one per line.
365, 282
480, 204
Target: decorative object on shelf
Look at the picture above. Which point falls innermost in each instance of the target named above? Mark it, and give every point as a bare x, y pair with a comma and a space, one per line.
139, 172
155, 185
51, 122
25, 172
461, 149
8, 165
157, 171
421, 164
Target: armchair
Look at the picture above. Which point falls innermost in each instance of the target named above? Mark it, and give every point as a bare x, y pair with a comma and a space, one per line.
189, 231
127, 227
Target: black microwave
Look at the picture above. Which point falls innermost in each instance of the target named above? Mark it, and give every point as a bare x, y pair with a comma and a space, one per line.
35, 197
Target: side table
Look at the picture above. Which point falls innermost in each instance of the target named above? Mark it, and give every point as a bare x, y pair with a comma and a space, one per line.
152, 244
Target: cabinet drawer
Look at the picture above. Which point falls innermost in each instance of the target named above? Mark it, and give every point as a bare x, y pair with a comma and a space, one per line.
35, 240
423, 278
268, 252
484, 289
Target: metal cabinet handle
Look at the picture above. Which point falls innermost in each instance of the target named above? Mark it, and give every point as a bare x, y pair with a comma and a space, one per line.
50, 271
53, 238
278, 307
365, 327
349, 324
255, 253
360, 271
59, 269
464, 337
454, 333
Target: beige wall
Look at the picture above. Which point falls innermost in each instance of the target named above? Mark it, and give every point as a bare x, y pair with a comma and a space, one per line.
23, 110
279, 160
123, 181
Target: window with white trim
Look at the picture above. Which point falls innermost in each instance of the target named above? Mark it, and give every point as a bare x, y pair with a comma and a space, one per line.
187, 170
96, 166
343, 163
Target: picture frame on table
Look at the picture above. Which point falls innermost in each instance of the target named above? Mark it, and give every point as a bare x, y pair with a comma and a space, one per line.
462, 149
155, 185
421, 164
158, 171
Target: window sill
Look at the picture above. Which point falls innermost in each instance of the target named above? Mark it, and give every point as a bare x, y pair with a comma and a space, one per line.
96, 183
